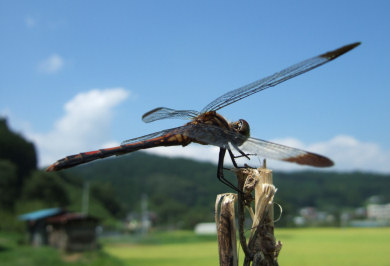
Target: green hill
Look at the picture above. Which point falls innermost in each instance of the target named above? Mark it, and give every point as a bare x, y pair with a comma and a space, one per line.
182, 192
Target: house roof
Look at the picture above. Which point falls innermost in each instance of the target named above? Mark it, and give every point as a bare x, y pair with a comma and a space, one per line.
71, 216
40, 214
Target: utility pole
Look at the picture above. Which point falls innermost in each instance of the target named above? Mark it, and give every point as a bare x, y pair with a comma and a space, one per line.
85, 200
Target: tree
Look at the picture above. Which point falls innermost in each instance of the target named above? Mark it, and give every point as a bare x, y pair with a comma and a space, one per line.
105, 193
17, 150
48, 188
8, 185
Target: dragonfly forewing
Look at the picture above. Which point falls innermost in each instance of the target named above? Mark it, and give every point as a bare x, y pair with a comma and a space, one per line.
277, 78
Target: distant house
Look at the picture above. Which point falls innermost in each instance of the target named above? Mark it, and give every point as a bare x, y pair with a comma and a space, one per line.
311, 216
61, 229
206, 229
378, 212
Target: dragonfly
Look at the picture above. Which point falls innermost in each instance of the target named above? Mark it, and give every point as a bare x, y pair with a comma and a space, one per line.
208, 127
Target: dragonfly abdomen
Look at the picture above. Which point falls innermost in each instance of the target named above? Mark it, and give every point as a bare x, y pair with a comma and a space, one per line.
85, 157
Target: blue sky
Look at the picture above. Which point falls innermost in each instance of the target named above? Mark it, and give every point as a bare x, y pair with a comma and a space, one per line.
78, 75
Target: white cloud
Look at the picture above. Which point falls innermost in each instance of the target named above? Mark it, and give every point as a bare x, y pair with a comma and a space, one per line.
85, 124
348, 154
52, 64
197, 152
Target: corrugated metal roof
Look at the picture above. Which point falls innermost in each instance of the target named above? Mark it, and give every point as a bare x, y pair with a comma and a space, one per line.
40, 214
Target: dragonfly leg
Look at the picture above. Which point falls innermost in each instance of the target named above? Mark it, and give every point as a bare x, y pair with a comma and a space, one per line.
220, 175
232, 157
243, 154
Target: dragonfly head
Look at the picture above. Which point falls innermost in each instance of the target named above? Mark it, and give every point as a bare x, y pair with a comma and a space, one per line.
242, 127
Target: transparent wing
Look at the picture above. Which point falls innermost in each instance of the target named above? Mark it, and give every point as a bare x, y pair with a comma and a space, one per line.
200, 133
279, 77
151, 136
276, 151
217, 136
163, 113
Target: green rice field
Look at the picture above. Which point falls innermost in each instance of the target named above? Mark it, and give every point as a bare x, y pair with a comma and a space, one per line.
310, 246
317, 246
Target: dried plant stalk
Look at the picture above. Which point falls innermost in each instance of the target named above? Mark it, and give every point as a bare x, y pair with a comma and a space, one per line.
262, 248
226, 229
262, 241
264, 195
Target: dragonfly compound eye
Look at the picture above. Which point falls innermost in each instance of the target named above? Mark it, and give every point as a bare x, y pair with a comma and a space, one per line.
243, 127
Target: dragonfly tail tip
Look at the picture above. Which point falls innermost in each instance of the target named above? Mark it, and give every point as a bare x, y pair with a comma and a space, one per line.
340, 51
51, 168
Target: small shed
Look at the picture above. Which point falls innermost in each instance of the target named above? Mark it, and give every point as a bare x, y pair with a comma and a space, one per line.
72, 231
61, 229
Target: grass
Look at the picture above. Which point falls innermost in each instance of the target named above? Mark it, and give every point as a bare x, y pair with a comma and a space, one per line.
189, 254
317, 246
335, 246
310, 246
14, 253
160, 238
165, 248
